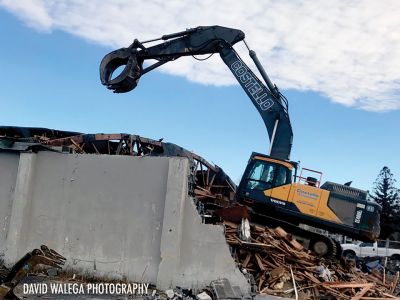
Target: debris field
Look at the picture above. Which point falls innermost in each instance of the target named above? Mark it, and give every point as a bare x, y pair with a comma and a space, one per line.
282, 266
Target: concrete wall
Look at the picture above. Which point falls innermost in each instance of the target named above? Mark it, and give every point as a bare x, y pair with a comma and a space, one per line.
8, 175
112, 215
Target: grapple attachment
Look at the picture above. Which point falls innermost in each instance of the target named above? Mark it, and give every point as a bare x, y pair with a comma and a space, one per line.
127, 80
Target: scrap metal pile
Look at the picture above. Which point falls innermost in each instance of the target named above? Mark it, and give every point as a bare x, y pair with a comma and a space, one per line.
281, 266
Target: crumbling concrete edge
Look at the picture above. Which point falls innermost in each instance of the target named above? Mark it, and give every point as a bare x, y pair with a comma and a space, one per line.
171, 235
20, 204
192, 253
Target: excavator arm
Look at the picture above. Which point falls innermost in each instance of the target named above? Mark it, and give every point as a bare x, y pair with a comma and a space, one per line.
269, 102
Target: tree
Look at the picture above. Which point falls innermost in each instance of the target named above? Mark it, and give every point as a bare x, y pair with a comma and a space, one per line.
388, 196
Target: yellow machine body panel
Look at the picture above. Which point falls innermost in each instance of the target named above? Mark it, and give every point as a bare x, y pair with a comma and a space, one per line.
309, 200
281, 192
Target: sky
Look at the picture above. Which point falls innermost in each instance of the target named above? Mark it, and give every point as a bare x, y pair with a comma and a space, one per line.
337, 63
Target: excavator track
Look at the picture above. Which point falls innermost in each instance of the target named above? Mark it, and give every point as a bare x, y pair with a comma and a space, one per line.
308, 238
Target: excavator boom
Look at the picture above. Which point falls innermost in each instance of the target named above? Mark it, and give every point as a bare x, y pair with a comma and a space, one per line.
269, 102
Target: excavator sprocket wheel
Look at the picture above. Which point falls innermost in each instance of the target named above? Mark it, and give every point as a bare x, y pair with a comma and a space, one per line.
324, 247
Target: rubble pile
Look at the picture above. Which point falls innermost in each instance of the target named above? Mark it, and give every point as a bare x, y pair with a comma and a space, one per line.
10, 278
282, 266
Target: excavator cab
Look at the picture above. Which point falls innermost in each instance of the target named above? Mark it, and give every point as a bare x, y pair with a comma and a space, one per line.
264, 173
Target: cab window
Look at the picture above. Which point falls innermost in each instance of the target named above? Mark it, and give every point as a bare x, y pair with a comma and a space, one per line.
264, 175
281, 176
261, 176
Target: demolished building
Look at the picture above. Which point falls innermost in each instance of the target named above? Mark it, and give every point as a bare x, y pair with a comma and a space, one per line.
118, 205
125, 207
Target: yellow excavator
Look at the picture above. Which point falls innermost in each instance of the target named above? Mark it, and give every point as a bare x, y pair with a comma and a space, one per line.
273, 187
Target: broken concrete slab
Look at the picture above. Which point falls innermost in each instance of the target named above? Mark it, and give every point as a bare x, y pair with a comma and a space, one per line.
223, 290
170, 293
203, 296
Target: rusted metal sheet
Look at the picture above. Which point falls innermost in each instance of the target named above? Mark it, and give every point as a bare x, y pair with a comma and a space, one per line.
233, 214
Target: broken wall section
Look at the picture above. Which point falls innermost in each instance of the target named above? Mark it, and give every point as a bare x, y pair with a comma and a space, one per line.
8, 175
114, 216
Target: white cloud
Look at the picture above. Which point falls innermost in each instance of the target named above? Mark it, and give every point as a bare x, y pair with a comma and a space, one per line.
347, 50
33, 12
